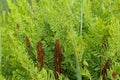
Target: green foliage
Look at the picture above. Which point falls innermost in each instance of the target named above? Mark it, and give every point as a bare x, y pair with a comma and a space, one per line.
47, 20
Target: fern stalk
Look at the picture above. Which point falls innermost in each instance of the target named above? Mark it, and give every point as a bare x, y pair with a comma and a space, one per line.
69, 8
78, 69
81, 18
0, 50
81, 26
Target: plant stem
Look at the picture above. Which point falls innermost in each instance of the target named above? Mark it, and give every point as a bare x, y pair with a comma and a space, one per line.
0, 50
81, 17
78, 69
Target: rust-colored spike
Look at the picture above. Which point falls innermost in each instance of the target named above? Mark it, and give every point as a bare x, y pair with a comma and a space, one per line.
107, 64
114, 75
27, 42
104, 70
57, 59
40, 53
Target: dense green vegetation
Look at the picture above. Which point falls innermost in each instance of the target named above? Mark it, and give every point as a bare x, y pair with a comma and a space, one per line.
86, 32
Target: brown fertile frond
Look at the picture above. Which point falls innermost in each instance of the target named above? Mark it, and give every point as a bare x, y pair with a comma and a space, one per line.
27, 42
114, 75
57, 59
104, 70
40, 54
107, 64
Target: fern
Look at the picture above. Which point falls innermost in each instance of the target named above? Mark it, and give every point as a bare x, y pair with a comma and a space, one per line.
23, 23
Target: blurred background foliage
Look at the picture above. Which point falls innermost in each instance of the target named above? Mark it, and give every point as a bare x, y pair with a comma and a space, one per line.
48, 20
